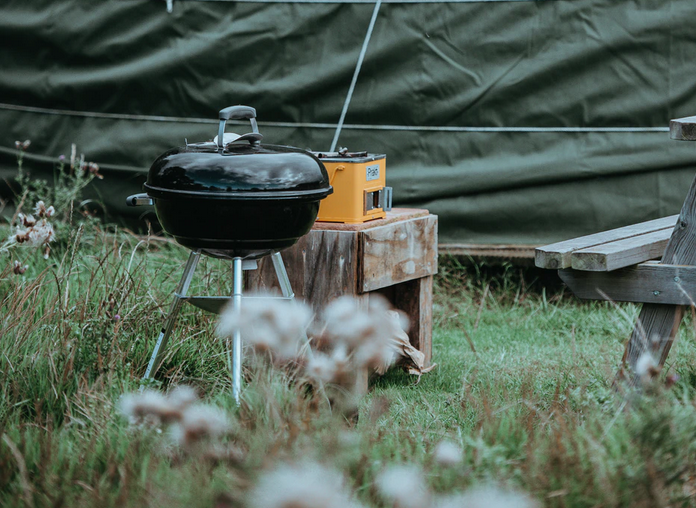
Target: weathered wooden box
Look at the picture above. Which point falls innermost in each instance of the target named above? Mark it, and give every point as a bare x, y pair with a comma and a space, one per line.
395, 256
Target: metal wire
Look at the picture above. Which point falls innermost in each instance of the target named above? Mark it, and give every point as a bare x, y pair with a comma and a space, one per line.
317, 125
361, 57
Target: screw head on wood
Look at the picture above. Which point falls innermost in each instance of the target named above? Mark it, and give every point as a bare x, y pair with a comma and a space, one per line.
677, 279
656, 293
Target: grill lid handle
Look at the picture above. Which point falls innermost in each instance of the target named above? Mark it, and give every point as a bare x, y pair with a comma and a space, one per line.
139, 200
238, 113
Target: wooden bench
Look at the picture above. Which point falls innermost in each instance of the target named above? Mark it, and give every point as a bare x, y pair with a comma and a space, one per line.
619, 265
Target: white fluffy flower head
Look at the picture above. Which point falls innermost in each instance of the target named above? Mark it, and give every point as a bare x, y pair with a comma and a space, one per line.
646, 366
304, 485
448, 453
404, 486
268, 323
487, 497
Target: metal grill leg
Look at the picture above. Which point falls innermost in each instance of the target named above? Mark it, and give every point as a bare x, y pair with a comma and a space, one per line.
166, 331
237, 336
286, 289
282, 275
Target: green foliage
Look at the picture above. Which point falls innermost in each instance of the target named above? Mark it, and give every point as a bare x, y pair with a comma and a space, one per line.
70, 177
523, 386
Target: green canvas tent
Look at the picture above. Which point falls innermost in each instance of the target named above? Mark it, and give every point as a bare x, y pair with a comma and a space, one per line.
517, 122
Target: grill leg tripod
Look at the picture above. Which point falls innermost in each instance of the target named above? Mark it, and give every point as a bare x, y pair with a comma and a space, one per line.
214, 304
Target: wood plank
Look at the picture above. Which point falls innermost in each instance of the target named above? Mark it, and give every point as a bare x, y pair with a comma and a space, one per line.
621, 253
522, 252
644, 283
323, 265
658, 324
558, 255
683, 128
415, 298
397, 252
394, 215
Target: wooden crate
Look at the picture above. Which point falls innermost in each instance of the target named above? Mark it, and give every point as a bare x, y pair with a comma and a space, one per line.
395, 256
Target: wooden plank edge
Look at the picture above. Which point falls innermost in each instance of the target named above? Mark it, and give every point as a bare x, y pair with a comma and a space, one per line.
394, 215
488, 250
621, 253
644, 283
558, 255
683, 129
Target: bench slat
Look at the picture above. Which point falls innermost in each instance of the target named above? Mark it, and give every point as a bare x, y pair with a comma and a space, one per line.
558, 255
629, 251
643, 283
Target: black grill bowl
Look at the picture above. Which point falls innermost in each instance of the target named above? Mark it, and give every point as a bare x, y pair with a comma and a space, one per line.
227, 228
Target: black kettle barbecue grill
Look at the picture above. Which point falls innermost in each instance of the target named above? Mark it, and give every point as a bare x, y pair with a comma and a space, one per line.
232, 198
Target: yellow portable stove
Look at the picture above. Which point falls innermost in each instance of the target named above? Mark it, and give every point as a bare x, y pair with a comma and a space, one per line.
359, 187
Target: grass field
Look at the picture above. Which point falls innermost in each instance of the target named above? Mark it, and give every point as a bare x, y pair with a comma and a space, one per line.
522, 392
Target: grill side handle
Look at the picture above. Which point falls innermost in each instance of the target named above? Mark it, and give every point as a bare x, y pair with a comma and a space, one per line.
237, 113
139, 200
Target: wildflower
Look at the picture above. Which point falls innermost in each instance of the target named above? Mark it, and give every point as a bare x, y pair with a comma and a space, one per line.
22, 145
42, 211
322, 367
340, 357
27, 221
117, 318
646, 367
61, 158
40, 234
40, 208
93, 169
348, 439
487, 497
18, 268
199, 422
268, 324
305, 485
21, 236
377, 354
404, 486
190, 424
149, 406
366, 333
341, 309
347, 322
182, 396
447, 453
37, 233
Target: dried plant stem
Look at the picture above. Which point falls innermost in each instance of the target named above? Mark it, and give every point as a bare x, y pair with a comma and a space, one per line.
481, 306
22, 466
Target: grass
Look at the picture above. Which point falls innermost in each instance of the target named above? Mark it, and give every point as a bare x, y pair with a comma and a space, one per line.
523, 386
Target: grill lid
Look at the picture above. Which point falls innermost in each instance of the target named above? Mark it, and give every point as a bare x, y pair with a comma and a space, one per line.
239, 167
